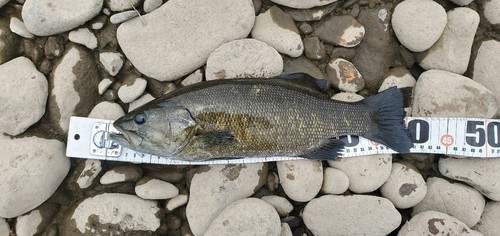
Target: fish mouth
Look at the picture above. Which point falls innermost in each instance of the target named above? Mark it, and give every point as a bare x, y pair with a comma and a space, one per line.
127, 139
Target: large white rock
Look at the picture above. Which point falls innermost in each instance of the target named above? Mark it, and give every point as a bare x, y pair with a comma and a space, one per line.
453, 49
488, 225
244, 58
214, 187
301, 179
49, 17
179, 36
303, 4
487, 67
351, 215
491, 9
107, 110
23, 94
250, 216
435, 223
405, 187
442, 93
418, 23
32, 169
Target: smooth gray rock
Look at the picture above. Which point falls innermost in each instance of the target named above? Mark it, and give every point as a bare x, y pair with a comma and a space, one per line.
149, 188
487, 67
490, 11
123, 16
18, 27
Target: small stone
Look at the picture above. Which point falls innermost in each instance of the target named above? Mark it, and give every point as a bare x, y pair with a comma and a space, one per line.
455, 199
250, 216
490, 11
301, 179
124, 173
273, 181
54, 47
487, 67
123, 16
243, 58
4, 227
334, 181
104, 85
131, 90
33, 50
302, 64
435, 223
112, 62
18, 27
149, 188
303, 4
405, 187
343, 75
344, 31
169, 87
281, 204
347, 97
151, 5
306, 28
314, 49
488, 225
140, 101
83, 36
366, 173
193, 78
121, 5
276, 28
89, 172
36, 221
399, 77
453, 49
107, 110
418, 23
351, 215
176, 202
97, 25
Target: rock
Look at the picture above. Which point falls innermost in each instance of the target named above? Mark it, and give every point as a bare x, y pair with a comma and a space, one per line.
462, 2
399, 77
18, 27
302, 64
123, 173
132, 89
334, 181
488, 225
249, 216
301, 179
104, 85
168, 87
112, 214
4, 227
123, 16
347, 97
351, 215
490, 11
184, 28
149, 188
112, 62
35, 222
107, 110
121, 5
151, 5
9, 42
33, 50
2, 3
276, 28
418, 24
280, 204
140, 101
435, 223
54, 47
193, 78
286, 230
343, 75
273, 181
366, 173
305, 28
23, 94
314, 49
244, 58
175, 202
303, 4
455, 199
405, 187
49, 17
453, 49
344, 31
441, 93
479, 173
312, 14
487, 67
75, 79
26, 170
91, 169
83, 36
214, 187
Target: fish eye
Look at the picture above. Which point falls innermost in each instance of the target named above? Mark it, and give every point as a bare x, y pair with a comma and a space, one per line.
140, 119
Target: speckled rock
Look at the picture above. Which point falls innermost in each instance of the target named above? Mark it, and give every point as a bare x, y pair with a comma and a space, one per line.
25, 171
4, 227
435, 223
193, 78
441, 93
280, 204
132, 89
301, 179
18, 27
347, 97
244, 58
121, 5
399, 77
351, 215
482, 174
488, 224
455, 199
177, 201
344, 31
49, 17
276, 28
123, 173
9, 42
490, 11
334, 181
487, 67
314, 49
111, 213
123, 16
112, 62
405, 187
250, 216
453, 49
343, 75
303, 4
149, 188
230, 182
140, 101
84, 37
107, 110
184, 28
366, 173
151, 5
23, 94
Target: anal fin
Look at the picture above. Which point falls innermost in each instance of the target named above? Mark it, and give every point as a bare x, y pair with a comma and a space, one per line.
330, 150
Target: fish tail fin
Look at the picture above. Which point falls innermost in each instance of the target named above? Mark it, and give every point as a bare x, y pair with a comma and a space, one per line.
388, 127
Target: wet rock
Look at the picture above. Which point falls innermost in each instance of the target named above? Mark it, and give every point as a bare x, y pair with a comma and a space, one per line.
487, 67
111, 213
188, 27
49, 17
311, 14
399, 77
347, 97
177, 201
131, 89
171, 175
306, 28
334, 181
123, 173
276, 28
351, 215
149, 188
435, 223
54, 47
249, 216
35, 222
462, 2
106, 38
280, 204
9, 42
453, 49
301, 179
214, 187
344, 31
33, 50
89, 170
4, 227
193, 78
366, 173
441, 93
302, 64
112, 62
455, 199
23, 94
488, 225
344, 76
490, 11
84, 37
418, 24
244, 58
151, 5
18, 27
405, 187
140, 101
314, 49
123, 16
25, 170
303, 4
121, 5
107, 110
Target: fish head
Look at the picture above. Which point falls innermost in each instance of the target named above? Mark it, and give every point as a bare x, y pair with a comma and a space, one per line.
161, 130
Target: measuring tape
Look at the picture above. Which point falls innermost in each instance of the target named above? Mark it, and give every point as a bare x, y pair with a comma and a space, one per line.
468, 137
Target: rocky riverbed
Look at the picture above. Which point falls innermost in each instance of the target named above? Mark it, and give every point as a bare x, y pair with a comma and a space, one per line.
103, 58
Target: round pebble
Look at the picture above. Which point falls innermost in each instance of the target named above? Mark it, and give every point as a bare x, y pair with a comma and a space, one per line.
405, 187
281, 204
123, 16
176, 202
334, 181
112, 62
18, 27
490, 11
488, 224
344, 31
301, 179
123, 173
107, 110
104, 85
148, 188
343, 75
435, 223
130, 91
487, 67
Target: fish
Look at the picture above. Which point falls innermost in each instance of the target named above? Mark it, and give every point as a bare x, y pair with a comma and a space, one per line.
286, 115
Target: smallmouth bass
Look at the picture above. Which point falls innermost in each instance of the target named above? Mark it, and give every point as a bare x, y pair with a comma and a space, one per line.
239, 118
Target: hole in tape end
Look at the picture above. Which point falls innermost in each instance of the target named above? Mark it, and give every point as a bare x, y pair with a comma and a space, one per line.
77, 136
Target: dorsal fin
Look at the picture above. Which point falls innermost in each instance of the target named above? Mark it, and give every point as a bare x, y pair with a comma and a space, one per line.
304, 79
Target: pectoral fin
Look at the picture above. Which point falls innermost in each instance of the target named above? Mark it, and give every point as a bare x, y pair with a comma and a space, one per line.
329, 150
